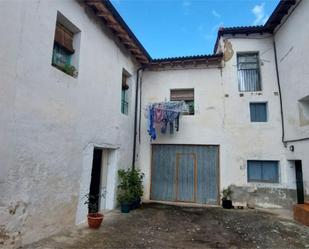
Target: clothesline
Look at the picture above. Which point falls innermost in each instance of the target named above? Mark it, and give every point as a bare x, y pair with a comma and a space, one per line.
181, 106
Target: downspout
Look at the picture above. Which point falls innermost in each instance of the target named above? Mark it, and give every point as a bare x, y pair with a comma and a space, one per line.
135, 114
279, 89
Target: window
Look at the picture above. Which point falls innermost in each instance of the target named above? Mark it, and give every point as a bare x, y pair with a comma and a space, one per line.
258, 112
263, 171
64, 52
186, 95
248, 72
124, 93
303, 105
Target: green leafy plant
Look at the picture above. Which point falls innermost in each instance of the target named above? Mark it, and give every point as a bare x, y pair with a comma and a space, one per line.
227, 193
68, 69
136, 183
130, 185
92, 201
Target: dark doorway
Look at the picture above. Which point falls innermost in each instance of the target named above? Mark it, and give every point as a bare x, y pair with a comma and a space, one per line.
95, 183
299, 181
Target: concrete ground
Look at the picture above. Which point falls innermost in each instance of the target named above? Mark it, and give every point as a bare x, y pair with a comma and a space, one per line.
162, 226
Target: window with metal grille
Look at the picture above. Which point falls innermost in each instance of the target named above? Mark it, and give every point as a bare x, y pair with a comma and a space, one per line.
263, 171
124, 93
186, 95
248, 72
258, 112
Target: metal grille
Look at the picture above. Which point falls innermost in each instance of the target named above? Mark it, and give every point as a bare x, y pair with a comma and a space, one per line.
248, 72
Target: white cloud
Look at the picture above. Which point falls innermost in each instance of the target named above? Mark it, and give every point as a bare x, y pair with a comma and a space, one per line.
208, 34
186, 4
260, 15
216, 14
217, 26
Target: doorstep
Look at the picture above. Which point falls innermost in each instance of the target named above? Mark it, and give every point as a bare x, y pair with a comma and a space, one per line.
180, 204
301, 213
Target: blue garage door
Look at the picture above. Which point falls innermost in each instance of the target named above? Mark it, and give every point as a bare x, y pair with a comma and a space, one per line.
186, 173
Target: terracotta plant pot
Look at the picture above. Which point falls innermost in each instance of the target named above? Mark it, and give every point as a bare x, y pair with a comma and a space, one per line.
95, 220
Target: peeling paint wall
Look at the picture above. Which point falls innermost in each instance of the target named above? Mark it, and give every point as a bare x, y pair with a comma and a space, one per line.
48, 118
222, 116
293, 59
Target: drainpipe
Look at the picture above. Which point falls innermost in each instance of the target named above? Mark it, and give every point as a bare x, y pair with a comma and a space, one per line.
135, 114
279, 88
281, 108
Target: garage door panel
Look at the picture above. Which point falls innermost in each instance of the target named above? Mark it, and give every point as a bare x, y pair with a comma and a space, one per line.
163, 176
185, 167
185, 173
207, 175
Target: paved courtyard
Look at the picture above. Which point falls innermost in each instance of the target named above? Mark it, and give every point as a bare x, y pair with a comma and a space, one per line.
161, 226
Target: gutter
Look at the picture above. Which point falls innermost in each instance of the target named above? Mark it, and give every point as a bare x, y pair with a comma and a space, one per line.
135, 114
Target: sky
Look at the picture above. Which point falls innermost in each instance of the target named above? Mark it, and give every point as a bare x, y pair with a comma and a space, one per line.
170, 28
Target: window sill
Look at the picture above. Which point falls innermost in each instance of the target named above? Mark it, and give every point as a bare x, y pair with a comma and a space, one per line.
69, 72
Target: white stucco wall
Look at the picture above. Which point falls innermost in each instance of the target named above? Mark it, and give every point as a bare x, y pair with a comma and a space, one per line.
292, 39
51, 121
223, 116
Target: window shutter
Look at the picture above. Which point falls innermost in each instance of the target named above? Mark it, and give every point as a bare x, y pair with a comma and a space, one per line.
64, 38
182, 94
125, 85
258, 112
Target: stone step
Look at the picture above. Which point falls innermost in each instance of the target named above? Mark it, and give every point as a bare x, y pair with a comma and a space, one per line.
301, 213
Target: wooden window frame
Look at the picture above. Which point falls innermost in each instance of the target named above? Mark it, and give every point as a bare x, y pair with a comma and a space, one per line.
189, 98
250, 180
257, 69
266, 112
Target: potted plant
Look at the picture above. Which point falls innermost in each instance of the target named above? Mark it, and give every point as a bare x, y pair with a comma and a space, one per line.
136, 187
125, 198
130, 189
94, 217
227, 198
124, 195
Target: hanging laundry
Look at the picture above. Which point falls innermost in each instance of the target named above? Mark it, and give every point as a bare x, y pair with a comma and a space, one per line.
151, 130
164, 114
159, 113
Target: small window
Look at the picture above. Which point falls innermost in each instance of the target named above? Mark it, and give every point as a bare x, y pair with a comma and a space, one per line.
248, 72
258, 112
186, 95
125, 93
303, 105
263, 171
64, 52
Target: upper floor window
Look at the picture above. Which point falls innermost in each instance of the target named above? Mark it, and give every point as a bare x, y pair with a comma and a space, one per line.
125, 92
65, 42
248, 72
258, 112
187, 95
303, 105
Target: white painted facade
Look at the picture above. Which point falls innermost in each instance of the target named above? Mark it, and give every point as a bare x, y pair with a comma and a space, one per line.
222, 116
50, 122
293, 58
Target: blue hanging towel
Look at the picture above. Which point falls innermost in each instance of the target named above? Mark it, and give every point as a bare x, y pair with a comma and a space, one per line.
151, 130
